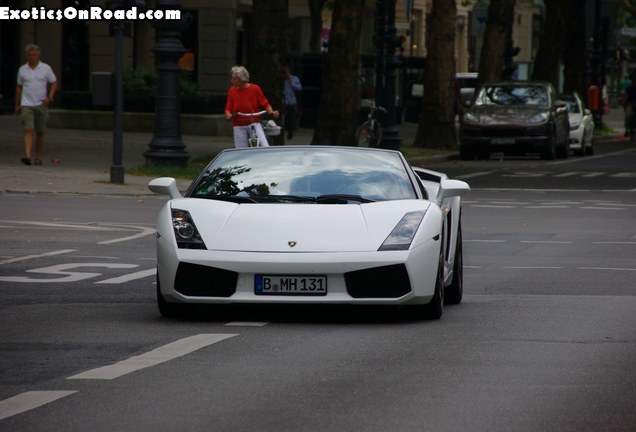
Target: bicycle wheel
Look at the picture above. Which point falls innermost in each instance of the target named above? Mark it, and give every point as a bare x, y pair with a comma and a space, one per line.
369, 135
363, 134
253, 138
377, 135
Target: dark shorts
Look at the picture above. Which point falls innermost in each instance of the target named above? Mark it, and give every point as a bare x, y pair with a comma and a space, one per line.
35, 117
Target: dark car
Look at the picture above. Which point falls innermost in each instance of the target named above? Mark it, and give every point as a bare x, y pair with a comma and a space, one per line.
516, 118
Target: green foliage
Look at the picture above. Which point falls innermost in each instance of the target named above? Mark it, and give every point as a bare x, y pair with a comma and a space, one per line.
140, 89
191, 171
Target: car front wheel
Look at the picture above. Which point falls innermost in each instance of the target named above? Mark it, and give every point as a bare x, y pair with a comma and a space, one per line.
455, 291
435, 309
549, 152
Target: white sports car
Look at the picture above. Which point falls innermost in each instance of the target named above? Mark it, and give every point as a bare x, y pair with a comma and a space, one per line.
311, 224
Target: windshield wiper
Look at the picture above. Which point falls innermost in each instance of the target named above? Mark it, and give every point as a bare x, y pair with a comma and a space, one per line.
231, 198
341, 199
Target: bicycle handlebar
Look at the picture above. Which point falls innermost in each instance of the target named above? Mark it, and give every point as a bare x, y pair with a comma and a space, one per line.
256, 114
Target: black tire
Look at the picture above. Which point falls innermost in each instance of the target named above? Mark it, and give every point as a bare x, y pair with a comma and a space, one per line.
455, 291
435, 309
166, 309
589, 150
549, 153
466, 152
563, 151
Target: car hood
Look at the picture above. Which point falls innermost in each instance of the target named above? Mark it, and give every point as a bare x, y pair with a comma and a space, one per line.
296, 227
505, 115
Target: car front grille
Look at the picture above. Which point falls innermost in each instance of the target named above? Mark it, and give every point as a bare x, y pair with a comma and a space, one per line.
203, 281
378, 282
505, 132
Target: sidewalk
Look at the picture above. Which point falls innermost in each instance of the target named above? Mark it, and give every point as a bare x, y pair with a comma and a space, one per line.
78, 161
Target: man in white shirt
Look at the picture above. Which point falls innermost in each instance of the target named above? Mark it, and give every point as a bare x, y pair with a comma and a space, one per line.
35, 90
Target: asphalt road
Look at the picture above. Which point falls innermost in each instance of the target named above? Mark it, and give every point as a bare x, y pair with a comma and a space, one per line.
545, 339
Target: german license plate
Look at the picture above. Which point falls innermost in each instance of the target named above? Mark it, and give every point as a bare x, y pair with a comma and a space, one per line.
298, 285
502, 140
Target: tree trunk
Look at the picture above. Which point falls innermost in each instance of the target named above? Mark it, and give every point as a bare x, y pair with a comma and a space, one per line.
546, 64
574, 55
436, 127
337, 113
315, 14
497, 34
267, 48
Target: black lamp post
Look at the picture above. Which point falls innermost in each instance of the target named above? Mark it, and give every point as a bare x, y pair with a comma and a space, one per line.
117, 28
166, 146
386, 64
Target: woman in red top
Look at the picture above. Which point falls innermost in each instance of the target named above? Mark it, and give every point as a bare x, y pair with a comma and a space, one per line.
246, 97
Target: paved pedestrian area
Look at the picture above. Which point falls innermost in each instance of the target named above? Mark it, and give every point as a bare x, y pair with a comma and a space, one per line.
79, 161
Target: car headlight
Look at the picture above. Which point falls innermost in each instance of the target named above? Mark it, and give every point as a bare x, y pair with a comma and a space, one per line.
539, 118
185, 232
574, 125
470, 117
404, 232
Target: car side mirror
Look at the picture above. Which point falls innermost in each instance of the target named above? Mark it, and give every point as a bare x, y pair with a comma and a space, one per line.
587, 112
560, 104
165, 186
451, 188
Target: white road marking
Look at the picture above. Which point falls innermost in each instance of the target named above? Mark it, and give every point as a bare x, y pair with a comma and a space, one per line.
493, 206
159, 355
545, 206
29, 400
28, 257
131, 276
144, 232
602, 208
63, 274
545, 242
615, 242
477, 174
533, 268
606, 268
246, 324
91, 227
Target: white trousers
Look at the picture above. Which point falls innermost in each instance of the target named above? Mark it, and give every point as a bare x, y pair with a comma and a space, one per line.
242, 133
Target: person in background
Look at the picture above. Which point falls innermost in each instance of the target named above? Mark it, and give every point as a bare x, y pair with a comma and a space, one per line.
292, 85
34, 93
630, 105
246, 97
625, 83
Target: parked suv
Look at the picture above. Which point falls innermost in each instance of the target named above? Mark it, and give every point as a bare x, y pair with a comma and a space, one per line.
516, 118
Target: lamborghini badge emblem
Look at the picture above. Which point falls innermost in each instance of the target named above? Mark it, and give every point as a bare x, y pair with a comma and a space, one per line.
291, 243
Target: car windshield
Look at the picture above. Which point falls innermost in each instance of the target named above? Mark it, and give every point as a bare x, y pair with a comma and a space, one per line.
305, 175
512, 95
572, 106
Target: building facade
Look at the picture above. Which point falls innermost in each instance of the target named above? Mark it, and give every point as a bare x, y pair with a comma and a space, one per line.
215, 37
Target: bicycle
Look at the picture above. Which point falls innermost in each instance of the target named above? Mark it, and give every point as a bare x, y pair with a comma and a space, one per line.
269, 128
369, 134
